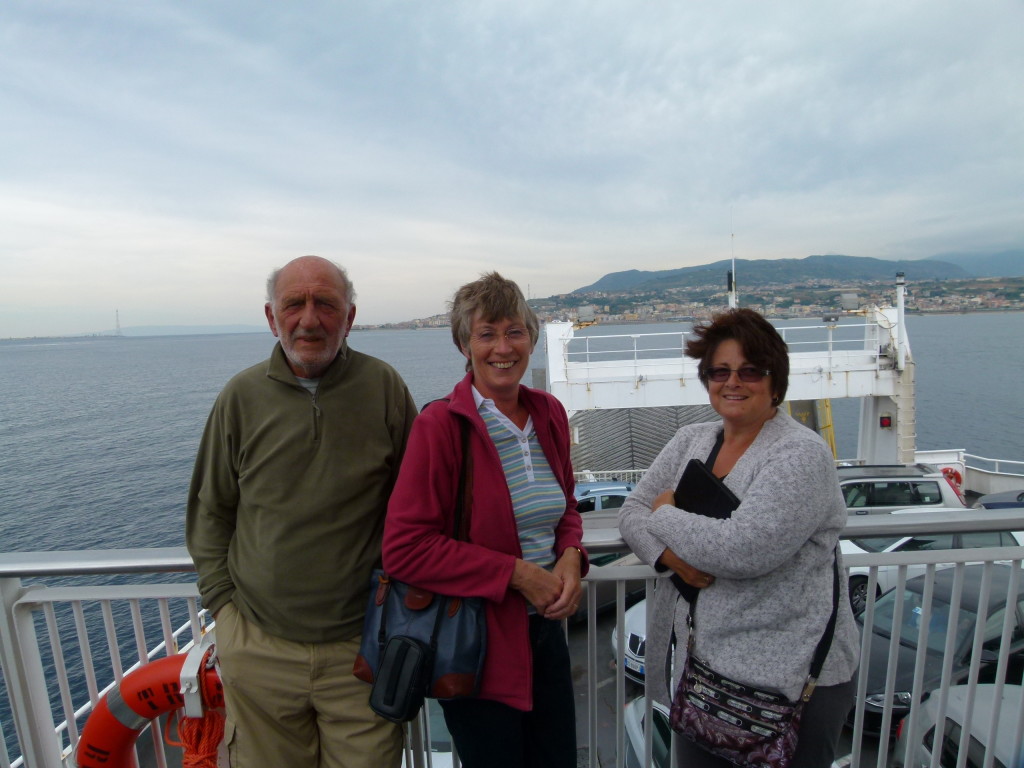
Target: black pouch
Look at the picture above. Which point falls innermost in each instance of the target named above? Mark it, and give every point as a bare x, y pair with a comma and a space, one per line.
401, 682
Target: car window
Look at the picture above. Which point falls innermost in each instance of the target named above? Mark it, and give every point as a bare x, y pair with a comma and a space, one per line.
876, 543
927, 543
926, 492
986, 539
952, 734
913, 611
994, 629
890, 494
612, 501
586, 505
856, 494
662, 739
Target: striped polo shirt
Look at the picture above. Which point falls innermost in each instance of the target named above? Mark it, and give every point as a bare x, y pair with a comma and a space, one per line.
537, 499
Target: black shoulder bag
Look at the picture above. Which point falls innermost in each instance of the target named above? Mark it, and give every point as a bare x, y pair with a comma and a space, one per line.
418, 644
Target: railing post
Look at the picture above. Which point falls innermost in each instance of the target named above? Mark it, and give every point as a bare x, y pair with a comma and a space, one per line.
26, 682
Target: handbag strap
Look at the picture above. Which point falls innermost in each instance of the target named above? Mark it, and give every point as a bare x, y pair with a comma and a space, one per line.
460, 524
709, 462
825, 644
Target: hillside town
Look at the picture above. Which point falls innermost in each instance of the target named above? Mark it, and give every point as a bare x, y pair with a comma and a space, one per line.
815, 298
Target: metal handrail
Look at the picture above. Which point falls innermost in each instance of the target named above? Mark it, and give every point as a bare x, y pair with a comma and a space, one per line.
26, 678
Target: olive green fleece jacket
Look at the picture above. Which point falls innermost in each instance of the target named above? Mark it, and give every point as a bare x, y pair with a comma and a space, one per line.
289, 491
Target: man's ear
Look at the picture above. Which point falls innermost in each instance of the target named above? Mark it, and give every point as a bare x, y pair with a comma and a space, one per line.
269, 311
351, 318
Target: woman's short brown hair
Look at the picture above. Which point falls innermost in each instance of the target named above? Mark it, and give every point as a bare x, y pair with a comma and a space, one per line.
761, 344
493, 298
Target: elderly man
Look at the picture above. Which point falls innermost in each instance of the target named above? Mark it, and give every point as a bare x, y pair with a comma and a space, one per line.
285, 517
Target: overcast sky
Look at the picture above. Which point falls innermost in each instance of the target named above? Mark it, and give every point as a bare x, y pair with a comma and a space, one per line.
159, 158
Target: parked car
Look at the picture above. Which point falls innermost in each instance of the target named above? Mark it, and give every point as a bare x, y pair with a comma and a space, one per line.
662, 742
887, 575
635, 631
879, 488
1000, 500
963, 622
601, 501
922, 743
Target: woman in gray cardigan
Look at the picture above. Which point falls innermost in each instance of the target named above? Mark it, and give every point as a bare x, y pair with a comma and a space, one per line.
765, 575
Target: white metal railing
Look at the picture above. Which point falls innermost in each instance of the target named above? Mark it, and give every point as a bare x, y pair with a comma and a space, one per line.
1009, 472
996, 466
40, 673
594, 348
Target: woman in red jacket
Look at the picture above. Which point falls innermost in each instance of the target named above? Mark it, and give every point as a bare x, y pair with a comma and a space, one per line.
523, 554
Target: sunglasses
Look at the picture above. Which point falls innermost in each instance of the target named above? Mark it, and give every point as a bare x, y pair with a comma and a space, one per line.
747, 373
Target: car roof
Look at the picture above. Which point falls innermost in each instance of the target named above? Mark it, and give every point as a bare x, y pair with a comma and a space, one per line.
585, 489
970, 599
886, 470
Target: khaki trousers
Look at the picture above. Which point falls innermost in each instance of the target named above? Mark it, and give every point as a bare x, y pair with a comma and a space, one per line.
297, 705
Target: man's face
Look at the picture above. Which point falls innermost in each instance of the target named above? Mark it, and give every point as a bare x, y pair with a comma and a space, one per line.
310, 315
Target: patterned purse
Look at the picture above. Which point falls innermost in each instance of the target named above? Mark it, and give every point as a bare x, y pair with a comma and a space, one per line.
742, 724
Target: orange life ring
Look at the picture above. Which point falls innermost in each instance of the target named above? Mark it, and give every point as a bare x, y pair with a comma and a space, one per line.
953, 476
150, 691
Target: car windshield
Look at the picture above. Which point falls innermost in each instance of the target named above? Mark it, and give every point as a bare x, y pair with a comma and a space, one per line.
876, 543
913, 612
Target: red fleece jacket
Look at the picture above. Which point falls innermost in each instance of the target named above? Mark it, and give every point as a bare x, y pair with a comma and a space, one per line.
418, 547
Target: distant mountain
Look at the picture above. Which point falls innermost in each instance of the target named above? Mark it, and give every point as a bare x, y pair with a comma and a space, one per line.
790, 271
1002, 264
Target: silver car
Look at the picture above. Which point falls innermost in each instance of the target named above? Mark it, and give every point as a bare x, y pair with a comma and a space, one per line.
877, 489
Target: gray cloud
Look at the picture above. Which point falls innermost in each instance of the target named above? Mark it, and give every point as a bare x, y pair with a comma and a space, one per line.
164, 157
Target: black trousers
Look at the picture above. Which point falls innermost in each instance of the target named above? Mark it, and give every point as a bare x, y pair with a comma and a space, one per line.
820, 728
488, 734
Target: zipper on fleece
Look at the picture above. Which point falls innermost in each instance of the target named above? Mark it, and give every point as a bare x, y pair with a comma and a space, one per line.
316, 415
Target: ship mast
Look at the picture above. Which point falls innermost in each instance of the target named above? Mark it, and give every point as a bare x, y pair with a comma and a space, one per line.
733, 301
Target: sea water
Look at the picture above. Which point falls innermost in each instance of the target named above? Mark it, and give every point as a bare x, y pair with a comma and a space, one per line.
98, 435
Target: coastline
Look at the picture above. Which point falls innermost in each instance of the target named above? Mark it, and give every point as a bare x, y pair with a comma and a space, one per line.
415, 325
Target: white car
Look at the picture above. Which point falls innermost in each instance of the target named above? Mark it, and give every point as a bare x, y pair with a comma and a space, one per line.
887, 575
635, 628
922, 742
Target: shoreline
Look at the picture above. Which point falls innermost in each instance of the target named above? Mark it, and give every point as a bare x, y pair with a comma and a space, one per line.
411, 326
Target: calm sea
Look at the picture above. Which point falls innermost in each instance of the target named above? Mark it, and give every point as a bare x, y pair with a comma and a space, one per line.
97, 435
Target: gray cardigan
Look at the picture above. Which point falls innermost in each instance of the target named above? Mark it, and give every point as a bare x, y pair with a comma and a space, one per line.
761, 619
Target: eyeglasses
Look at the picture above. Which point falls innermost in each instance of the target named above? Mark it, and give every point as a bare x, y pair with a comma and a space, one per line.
488, 337
747, 373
